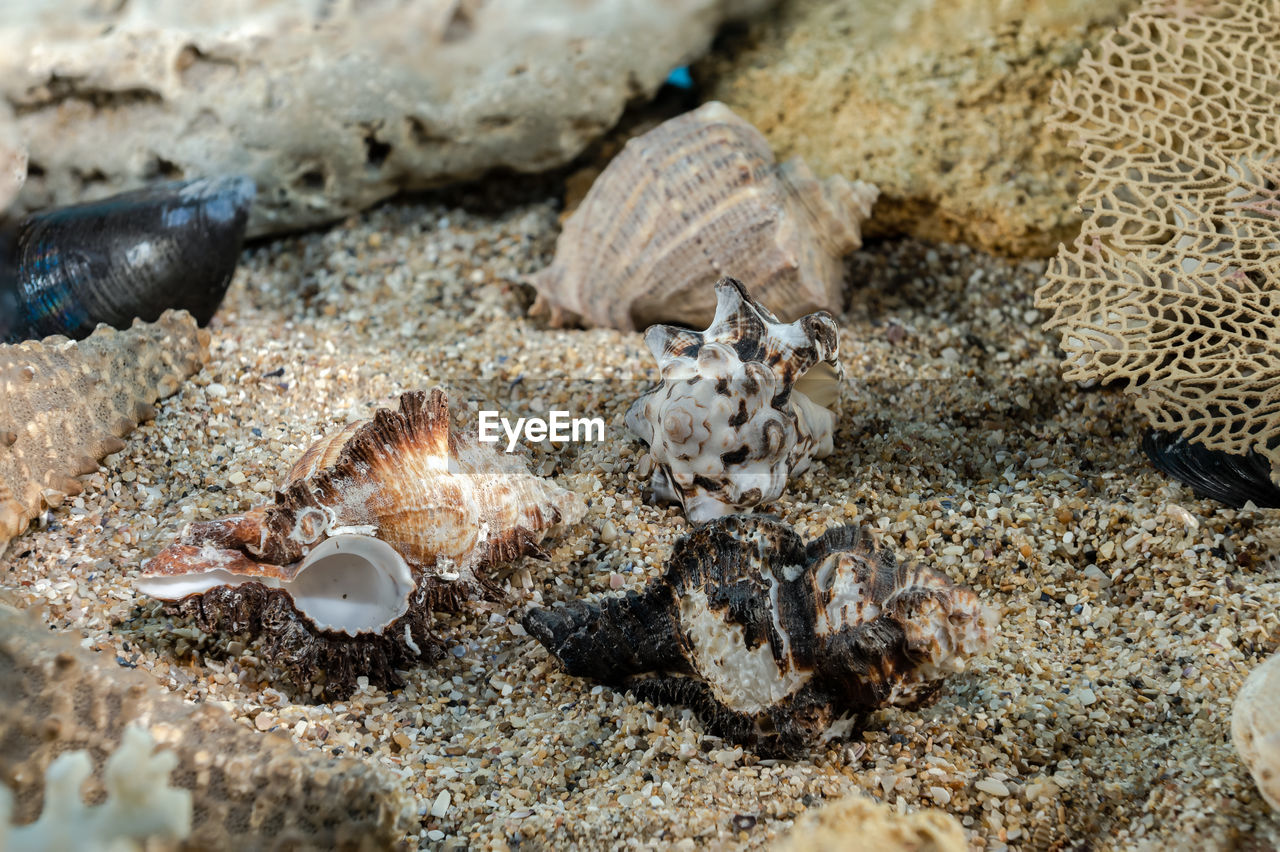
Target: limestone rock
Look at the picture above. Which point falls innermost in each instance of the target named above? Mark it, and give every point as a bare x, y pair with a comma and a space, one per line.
1255, 728
249, 790
328, 106
858, 822
940, 103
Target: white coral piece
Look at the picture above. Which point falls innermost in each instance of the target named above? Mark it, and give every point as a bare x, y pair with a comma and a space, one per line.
728, 426
139, 804
1171, 285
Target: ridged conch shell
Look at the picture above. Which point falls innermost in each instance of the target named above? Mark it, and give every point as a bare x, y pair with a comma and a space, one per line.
65, 404
697, 198
776, 643
375, 527
1255, 728
728, 424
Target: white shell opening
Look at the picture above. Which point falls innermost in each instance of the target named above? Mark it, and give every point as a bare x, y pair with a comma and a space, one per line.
349, 583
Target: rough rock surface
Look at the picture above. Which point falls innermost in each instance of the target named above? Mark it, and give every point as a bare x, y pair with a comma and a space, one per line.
250, 790
330, 107
941, 103
13, 158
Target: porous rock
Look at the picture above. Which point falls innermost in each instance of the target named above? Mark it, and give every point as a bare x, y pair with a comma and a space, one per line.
329, 107
940, 103
249, 790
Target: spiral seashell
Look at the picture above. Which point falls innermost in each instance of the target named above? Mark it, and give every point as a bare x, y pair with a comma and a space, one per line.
697, 198
776, 643
729, 424
375, 528
66, 404
134, 255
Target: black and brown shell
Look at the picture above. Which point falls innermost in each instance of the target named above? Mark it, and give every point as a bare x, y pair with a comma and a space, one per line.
777, 643
431, 509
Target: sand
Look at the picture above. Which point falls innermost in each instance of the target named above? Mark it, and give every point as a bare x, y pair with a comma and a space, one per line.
1132, 612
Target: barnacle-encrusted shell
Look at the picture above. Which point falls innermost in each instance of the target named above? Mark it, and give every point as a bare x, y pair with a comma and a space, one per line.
64, 405
697, 198
727, 425
776, 643
376, 527
1255, 727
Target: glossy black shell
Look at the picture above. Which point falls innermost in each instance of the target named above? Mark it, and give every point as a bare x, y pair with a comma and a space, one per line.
134, 255
1229, 479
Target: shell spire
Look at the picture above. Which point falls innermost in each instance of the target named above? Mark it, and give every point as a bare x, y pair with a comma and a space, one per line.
692, 200
731, 421
776, 643
376, 527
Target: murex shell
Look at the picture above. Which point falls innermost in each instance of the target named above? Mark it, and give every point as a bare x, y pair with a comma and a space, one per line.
65, 404
697, 198
776, 643
374, 528
728, 424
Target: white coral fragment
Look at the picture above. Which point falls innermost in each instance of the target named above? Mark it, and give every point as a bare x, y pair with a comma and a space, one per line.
139, 804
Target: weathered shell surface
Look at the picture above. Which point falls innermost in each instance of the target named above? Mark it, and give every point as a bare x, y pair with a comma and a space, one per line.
251, 790
1255, 728
695, 199
447, 506
775, 642
169, 246
727, 425
64, 405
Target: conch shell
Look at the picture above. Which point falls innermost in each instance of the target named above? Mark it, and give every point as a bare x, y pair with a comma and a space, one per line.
376, 527
728, 424
697, 198
776, 643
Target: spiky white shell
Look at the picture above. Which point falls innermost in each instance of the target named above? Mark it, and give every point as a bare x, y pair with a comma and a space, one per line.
727, 426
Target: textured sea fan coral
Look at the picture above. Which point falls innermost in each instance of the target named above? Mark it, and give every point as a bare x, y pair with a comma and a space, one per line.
1171, 286
376, 528
64, 405
139, 803
775, 642
697, 198
249, 790
729, 423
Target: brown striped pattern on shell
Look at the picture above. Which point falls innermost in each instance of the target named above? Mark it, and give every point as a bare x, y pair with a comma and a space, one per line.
693, 200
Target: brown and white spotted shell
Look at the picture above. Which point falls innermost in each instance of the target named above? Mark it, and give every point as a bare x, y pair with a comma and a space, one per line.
730, 421
776, 643
695, 199
376, 527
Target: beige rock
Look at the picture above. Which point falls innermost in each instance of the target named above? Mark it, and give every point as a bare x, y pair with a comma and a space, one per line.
329, 106
1255, 728
858, 822
13, 158
940, 103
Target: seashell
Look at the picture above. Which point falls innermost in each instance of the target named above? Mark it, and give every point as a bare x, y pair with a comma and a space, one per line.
1255, 728
776, 643
1233, 480
729, 423
375, 528
697, 198
66, 404
249, 789
134, 255
876, 825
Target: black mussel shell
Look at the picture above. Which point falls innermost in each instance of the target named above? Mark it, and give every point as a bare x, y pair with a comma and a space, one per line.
1229, 479
134, 255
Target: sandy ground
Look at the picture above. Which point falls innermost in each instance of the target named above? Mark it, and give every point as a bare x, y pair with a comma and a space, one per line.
1100, 718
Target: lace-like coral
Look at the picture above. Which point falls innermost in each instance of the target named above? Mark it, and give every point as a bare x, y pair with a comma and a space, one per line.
1171, 286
